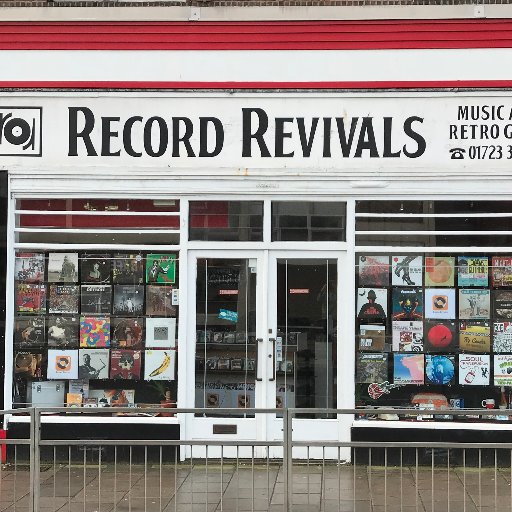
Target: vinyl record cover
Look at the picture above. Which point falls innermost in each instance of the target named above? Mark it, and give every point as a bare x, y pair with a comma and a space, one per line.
63, 331
475, 336
127, 332
502, 337
160, 332
159, 364
63, 298
372, 338
474, 304
95, 268
440, 303
31, 298
159, 301
128, 268
93, 363
62, 364
125, 364
474, 369
407, 270
502, 304
407, 304
63, 267
29, 332
373, 270
439, 270
408, 368
407, 336
371, 368
128, 299
440, 336
473, 271
501, 271
160, 268
96, 299
372, 304
503, 370
28, 364
29, 267
113, 397
440, 369
94, 331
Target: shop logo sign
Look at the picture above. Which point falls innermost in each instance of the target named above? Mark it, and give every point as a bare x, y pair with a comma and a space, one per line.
21, 131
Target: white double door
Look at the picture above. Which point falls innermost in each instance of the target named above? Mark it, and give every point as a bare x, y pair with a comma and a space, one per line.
266, 326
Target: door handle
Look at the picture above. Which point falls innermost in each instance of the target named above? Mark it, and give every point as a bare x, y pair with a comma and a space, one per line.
273, 356
258, 341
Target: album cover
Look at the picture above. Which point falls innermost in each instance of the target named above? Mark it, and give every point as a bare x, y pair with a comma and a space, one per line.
113, 397
230, 338
160, 332
408, 368
502, 304
203, 336
79, 386
371, 368
373, 270
29, 332
407, 336
440, 303
160, 268
63, 267
474, 369
211, 363
63, 298
74, 399
159, 364
29, 267
439, 270
372, 303
128, 268
96, 299
159, 301
125, 364
502, 337
407, 304
28, 364
503, 370
474, 304
440, 336
62, 364
128, 300
31, 298
475, 336
473, 271
501, 271
439, 369
63, 331
217, 337
223, 363
372, 338
95, 268
93, 363
126, 332
94, 331
407, 270
237, 364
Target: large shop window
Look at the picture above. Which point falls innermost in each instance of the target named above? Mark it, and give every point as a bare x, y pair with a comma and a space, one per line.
96, 326
434, 328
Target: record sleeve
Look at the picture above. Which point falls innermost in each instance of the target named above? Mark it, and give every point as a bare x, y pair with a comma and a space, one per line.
502, 304
31, 298
503, 370
439, 270
95, 268
96, 299
440, 370
407, 336
93, 363
372, 304
160, 332
502, 337
161, 268
128, 299
373, 270
113, 397
128, 269
159, 301
63, 298
440, 303
63, 331
62, 364
372, 338
371, 368
407, 270
28, 364
440, 336
125, 364
94, 331
475, 336
29, 267
408, 368
501, 271
474, 304
407, 304
63, 267
159, 364
474, 369
127, 332
473, 271
29, 332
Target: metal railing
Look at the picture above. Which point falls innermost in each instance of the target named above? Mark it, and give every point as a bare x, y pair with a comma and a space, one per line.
41, 473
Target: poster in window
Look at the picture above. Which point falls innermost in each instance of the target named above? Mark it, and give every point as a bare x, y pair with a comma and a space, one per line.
160, 332
29, 332
96, 299
159, 364
127, 332
439, 270
94, 331
128, 268
407, 270
93, 363
474, 369
440, 336
63, 331
440, 303
502, 337
503, 370
439, 369
407, 304
63, 298
501, 271
128, 299
474, 304
408, 368
31, 298
373, 270
29, 267
473, 271
62, 364
159, 300
125, 364
475, 336
160, 268
372, 304
28, 364
502, 304
371, 368
372, 338
63, 267
407, 336
95, 268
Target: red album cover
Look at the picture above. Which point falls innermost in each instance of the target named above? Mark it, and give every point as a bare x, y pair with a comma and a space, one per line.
31, 298
501, 271
125, 364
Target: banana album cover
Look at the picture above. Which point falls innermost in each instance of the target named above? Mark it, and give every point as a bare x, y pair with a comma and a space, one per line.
159, 364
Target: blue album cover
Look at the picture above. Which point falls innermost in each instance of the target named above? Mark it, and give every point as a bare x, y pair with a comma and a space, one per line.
407, 304
440, 369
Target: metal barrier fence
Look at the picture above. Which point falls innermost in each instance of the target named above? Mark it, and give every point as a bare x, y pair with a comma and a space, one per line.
49, 475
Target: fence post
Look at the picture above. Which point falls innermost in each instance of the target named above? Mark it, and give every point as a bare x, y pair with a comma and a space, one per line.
35, 434
287, 459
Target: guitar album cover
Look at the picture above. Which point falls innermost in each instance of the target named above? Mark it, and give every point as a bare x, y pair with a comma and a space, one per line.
63, 298
372, 338
160, 332
474, 369
127, 332
440, 370
439, 270
474, 304
63, 331
407, 336
502, 337
372, 304
407, 304
502, 304
63, 267
96, 299
407, 270
31, 298
473, 271
29, 364
373, 270
94, 331
93, 363
128, 268
125, 364
159, 364
62, 364
440, 303
160, 268
29, 267
29, 332
128, 300
440, 336
408, 368
95, 268
159, 301
501, 271
503, 370
371, 368
475, 336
